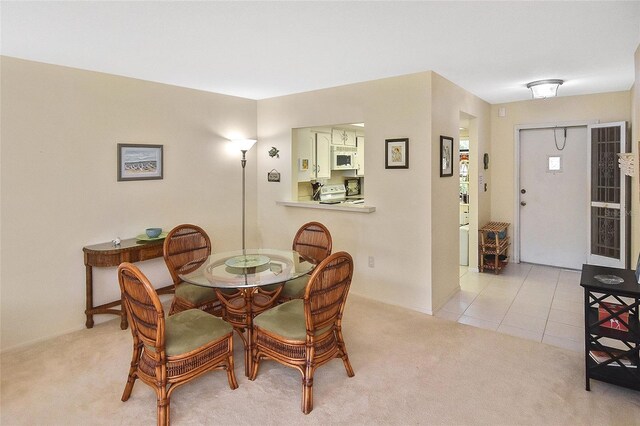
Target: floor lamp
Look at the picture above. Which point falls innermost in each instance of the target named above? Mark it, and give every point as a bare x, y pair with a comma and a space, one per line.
244, 145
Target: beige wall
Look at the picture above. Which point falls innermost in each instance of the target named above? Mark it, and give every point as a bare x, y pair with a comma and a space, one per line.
449, 101
60, 127
635, 147
413, 235
398, 234
605, 107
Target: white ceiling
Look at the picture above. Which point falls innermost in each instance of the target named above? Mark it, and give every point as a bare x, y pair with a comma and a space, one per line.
265, 49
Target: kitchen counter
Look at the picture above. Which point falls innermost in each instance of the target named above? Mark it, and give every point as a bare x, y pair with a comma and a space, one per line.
346, 207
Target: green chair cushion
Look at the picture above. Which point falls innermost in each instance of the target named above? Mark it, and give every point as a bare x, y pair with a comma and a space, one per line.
270, 287
190, 329
194, 293
295, 288
286, 320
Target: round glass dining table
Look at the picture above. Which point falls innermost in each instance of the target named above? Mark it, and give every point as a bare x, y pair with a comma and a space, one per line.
248, 270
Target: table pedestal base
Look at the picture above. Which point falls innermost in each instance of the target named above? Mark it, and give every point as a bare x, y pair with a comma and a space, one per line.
238, 309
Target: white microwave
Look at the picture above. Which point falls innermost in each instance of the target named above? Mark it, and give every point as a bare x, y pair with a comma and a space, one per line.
343, 157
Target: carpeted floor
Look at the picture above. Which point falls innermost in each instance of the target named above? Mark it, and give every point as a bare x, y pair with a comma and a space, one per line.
410, 368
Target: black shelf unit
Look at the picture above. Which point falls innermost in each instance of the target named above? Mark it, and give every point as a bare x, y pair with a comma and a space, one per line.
619, 365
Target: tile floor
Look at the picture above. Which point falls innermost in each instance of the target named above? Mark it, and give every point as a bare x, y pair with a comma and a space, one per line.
534, 302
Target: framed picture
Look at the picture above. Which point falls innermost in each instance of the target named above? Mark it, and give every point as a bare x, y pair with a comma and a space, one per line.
396, 155
139, 162
304, 164
446, 156
352, 186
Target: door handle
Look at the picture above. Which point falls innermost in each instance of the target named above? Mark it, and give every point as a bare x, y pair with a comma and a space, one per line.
523, 203
523, 191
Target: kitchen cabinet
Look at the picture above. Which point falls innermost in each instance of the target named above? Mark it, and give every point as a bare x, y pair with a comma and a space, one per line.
612, 330
322, 157
343, 137
314, 155
360, 156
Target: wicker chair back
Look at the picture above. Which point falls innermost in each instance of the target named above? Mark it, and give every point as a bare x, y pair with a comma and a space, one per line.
186, 247
313, 242
327, 291
143, 306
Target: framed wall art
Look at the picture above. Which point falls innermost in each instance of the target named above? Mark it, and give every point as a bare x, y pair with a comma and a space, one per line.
446, 156
396, 154
139, 162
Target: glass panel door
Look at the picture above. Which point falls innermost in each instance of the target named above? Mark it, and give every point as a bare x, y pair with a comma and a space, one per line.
608, 218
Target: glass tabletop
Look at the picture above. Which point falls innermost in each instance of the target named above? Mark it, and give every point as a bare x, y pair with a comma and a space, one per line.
249, 268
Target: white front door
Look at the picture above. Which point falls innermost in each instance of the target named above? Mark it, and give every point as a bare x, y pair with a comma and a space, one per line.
608, 196
553, 196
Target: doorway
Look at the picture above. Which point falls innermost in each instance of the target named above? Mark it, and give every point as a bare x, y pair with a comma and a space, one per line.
464, 176
467, 172
552, 196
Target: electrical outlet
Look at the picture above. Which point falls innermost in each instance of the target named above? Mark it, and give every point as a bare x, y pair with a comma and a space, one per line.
371, 262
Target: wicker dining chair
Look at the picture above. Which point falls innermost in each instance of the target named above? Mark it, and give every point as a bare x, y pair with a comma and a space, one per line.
305, 334
170, 352
313, 242
186, 247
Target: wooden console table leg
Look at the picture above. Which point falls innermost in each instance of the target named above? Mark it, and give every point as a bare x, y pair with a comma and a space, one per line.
123, 316
89, 302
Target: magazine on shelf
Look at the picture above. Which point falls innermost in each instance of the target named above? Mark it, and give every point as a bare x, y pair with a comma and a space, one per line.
617, 322
602, 356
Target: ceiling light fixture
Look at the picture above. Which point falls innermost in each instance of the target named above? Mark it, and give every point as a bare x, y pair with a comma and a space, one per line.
543, 89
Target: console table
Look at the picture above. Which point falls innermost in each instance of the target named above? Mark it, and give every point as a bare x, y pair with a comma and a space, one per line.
105, 255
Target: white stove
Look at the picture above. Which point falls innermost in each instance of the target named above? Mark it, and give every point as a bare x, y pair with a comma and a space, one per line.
333, 194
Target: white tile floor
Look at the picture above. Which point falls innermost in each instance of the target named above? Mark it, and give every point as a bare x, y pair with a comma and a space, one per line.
534, 302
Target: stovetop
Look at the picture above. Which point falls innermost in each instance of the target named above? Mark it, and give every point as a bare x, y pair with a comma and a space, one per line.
333, 193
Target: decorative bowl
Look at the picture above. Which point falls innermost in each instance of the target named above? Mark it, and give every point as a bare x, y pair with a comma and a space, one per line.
153, 232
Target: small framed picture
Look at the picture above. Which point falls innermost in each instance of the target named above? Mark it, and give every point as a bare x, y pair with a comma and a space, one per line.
638, 270
304, 164
352, 186
446, 156
396, 155
139, 162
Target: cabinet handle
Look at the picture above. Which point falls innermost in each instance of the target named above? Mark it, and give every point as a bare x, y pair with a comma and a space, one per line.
523, 203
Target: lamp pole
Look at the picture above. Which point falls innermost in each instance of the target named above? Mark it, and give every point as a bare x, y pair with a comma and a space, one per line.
244, 163
244, 145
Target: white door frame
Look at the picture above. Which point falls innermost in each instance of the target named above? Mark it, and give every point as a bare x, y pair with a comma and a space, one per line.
516, 180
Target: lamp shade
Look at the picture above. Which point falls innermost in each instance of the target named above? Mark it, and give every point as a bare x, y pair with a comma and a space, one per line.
244, 144
542, 89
